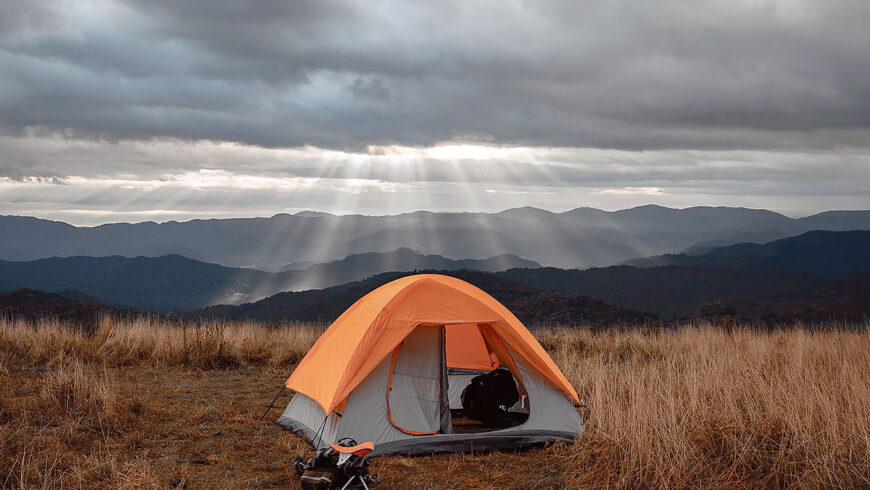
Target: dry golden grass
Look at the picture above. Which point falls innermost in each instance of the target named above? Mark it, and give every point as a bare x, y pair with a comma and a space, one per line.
702, 407
144, 403
156, 343
57, 435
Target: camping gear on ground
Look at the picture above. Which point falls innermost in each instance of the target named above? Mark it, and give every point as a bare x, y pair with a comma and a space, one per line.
318, 479
344, 463
392, 368
353, 462
319, 472
489, 397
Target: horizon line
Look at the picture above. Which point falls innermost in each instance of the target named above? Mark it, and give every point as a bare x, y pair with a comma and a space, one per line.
314, 212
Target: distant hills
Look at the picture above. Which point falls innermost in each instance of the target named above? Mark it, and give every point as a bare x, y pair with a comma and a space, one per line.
580, 238
668, 290
160, 283
775, 297
817, 252
531, 305
844, 299
812, 276
68, 307
173, 282
674, 285
360, 266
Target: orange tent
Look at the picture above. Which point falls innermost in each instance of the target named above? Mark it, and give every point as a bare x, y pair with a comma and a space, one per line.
392, 368
370, 329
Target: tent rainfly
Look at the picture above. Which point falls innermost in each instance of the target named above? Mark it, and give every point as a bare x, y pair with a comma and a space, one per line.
390, 369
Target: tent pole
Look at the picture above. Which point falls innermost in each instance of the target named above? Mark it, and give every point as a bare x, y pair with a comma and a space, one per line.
283, 387
446, 421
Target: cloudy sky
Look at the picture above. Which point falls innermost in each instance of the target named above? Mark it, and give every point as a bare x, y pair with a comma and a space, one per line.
133, 110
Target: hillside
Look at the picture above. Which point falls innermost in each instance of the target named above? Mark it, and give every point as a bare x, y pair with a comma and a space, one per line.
845, 299
360, 266
817, 252
531, 305
582, 237
752, 280
173, 282
159, 283
828, 221
70, 307
667, 290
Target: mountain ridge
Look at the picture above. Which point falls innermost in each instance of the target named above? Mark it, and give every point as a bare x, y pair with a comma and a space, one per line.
175, 282
531, 305
68, 307
578, 238
815, 252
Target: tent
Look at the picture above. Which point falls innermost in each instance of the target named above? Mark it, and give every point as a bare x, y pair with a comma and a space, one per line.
392, 367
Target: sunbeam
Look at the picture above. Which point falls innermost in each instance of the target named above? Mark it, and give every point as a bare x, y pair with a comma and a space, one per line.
99, 183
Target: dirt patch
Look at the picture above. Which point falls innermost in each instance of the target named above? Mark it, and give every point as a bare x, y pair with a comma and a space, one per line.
201, 429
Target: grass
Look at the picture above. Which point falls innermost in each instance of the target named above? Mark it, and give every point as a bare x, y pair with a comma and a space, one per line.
147, 404
154, 342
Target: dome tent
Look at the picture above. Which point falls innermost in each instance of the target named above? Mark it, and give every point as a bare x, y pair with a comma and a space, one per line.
393, 365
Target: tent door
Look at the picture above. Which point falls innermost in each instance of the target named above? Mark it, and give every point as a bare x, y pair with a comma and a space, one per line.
417, 395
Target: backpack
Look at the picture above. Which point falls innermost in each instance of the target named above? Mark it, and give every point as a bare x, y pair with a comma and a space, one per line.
323, 471
319, 472
488, 397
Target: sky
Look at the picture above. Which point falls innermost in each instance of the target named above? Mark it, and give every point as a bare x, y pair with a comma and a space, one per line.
137, 110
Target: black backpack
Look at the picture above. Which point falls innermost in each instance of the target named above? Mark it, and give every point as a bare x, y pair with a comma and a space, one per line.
323, 472
488, 397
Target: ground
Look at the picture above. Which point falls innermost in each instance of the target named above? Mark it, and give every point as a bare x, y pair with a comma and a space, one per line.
145, 404
202, 429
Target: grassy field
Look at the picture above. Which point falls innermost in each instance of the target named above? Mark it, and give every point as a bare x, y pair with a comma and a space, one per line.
147, 404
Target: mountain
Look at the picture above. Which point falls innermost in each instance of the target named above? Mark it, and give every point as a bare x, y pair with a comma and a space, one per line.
669, 290
296, 266
69, 307
579, 238
845, 299
270, 243
155, 283
531, 305
173, 282
481, 235
803, 277
828, 221
675, 229
550, 296
824, 253
364, 265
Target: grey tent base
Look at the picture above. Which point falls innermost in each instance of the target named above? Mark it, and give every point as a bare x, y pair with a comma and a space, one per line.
473, 443
447, 443
302, 431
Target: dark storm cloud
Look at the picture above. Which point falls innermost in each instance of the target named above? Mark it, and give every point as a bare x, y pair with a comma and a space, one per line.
374, 88
161, 109
618, 74
21, 17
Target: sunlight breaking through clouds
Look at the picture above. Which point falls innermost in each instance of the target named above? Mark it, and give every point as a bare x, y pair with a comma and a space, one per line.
646, 191
453, 151
86, 181
119, 109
